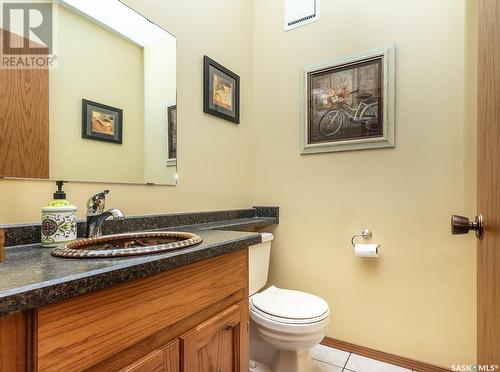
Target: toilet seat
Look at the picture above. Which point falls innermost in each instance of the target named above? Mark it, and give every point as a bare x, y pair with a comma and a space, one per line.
286, 320
290, 306
289, 311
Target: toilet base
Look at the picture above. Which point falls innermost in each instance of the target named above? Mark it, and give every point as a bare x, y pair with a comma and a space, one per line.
293, 361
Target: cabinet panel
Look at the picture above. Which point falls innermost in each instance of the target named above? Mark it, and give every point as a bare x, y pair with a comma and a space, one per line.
218, 353
13, 342
220, 344
163, 360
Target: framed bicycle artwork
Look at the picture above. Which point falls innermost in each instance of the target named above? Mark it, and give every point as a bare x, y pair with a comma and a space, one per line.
349, 103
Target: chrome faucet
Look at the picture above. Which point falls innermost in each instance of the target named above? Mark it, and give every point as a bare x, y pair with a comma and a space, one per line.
96, 215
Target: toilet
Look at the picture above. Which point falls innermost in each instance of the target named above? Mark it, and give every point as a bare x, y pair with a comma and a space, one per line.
290, 321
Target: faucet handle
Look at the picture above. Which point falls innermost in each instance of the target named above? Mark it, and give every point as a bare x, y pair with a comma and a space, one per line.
95, 205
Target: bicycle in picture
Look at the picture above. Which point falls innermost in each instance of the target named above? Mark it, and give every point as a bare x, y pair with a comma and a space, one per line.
366, 113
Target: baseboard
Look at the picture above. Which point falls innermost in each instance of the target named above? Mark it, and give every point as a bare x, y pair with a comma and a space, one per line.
381, 356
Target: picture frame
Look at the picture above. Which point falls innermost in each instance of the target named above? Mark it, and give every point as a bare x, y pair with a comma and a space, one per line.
221, 91
172, 135
101, 122
348, 103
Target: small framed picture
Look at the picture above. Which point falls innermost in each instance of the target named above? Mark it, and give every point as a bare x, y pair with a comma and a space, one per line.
172, 135
221, 91
349, 103
101, 122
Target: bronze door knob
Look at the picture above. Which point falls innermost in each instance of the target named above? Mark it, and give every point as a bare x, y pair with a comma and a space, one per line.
462, 225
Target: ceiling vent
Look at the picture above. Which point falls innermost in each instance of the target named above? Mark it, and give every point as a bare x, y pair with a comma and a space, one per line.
300, 12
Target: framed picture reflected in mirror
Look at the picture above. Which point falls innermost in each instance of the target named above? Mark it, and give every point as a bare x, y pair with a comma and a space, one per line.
172, 135
101, 122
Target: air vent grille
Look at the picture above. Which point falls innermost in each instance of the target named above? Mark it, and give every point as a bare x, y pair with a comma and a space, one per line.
300, 12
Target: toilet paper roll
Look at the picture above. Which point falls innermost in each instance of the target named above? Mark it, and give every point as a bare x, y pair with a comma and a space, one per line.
366, 250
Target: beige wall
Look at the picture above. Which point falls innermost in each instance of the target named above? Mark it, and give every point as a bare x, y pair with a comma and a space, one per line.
88, 56
418, 299
209, 149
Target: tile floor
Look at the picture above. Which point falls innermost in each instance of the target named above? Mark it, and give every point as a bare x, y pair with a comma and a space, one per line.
327, 359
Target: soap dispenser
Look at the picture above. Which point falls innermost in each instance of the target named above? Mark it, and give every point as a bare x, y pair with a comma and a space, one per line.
58, 219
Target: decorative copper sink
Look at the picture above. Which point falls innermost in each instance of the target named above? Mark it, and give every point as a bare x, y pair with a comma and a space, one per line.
133, 244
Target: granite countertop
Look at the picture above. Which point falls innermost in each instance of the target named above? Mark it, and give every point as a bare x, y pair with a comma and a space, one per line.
238, 223
32, 277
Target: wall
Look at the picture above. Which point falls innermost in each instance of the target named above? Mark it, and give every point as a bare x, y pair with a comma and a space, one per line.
89, 69
159, 94
209, 149
418, 299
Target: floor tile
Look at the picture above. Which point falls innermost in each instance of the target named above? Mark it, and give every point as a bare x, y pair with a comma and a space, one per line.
359, 363
329, 355
320, 366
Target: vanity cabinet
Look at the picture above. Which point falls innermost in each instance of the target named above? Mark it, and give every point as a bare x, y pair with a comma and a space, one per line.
192, 318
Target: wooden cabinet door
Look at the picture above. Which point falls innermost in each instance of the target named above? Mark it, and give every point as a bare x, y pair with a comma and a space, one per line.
165, 359
218, 345
24, 120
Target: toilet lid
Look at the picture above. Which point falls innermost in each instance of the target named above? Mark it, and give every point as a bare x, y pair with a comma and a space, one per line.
289, 304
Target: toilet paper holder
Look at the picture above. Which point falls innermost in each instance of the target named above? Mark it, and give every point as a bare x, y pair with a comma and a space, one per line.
365, 234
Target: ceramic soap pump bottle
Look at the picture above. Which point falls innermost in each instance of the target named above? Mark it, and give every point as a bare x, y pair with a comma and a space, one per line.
58, 219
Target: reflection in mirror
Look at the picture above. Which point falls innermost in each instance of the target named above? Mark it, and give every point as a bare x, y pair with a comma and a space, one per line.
112, 97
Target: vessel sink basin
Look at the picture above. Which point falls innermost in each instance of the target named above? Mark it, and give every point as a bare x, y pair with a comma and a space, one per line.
124, 245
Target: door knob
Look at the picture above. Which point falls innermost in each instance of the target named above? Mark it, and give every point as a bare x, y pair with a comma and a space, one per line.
462, 225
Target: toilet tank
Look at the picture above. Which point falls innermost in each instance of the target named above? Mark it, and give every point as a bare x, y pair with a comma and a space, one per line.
258, 263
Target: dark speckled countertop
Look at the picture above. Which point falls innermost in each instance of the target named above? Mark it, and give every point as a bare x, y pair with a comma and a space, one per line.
31, 277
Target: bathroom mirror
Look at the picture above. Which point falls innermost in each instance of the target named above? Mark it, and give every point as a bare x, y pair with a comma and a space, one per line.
112, 114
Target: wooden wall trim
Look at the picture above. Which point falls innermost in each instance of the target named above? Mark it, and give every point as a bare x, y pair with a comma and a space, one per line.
381, 356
